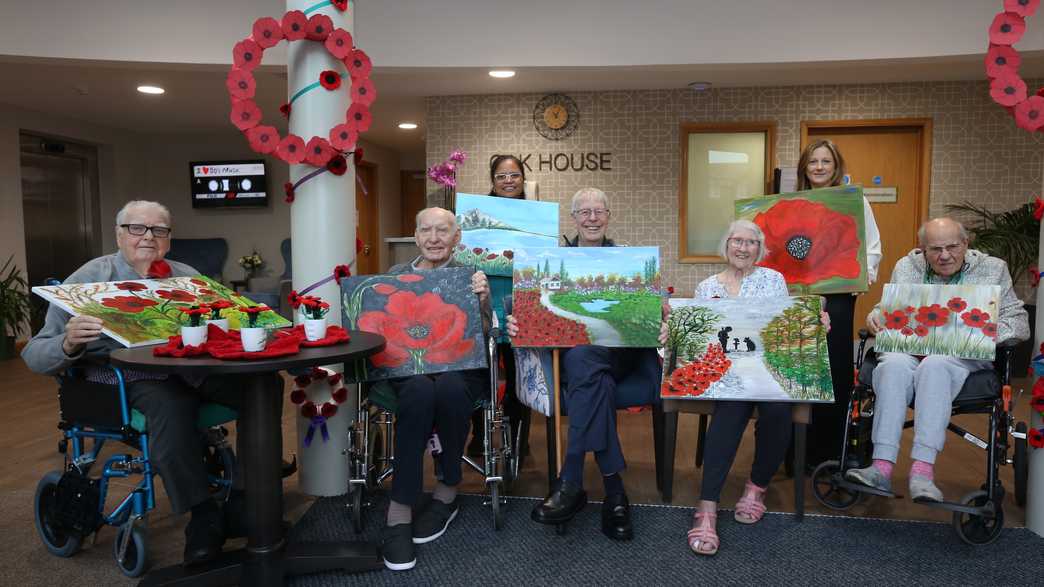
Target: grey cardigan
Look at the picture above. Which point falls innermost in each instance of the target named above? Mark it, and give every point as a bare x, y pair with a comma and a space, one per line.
980, 269
44, 353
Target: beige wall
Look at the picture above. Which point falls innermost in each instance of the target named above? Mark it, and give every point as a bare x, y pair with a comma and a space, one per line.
978, 152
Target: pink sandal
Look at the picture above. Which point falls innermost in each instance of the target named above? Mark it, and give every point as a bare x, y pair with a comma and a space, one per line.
703, 533
751, 507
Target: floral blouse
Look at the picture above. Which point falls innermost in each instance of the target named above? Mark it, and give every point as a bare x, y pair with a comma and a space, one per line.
761, 283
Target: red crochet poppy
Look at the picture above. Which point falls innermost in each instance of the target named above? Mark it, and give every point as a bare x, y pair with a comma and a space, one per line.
267, 32
131, 286
330, 79
359, 117
308, 410
975, 318
956, 305
245, 114
130, 304
1007, 28
159, 269
1036, 437
1029, 114
285, 110
385, 289
363, 91
933, 315
328, 410
1008, 89
808, 242
921, 331
1023, 8
359, 64
1001, 59
357, 155
341, 5
896, 320
319, 27
247, 54
990, 329
294, 25
420, 327
240, 84
341, 272
298, 396
337, 165
263, 139
291, 149
318, 152
175, 295
288, 188
343, 137
340, 43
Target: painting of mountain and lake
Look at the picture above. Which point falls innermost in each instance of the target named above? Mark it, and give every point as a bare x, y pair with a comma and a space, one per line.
492, 229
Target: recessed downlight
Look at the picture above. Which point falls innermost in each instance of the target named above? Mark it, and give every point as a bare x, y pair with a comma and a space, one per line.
407, 125
502, 73
151, 90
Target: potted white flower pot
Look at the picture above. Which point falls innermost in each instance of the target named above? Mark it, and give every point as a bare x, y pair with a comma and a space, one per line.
254, 339
221, 323
193, 335
315, 329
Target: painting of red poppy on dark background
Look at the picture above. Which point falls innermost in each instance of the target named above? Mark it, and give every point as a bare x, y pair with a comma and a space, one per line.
430, 320
815, 238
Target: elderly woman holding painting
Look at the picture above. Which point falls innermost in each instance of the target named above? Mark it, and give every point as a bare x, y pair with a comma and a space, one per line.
743, 247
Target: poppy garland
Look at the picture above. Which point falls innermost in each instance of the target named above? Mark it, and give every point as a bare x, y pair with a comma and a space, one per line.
1007, 88
318, 414
325, 153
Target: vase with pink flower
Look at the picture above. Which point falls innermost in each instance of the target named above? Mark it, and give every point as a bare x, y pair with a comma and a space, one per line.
445, 176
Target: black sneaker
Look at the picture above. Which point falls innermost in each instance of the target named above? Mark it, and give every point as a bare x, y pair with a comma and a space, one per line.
433, 521
396, 547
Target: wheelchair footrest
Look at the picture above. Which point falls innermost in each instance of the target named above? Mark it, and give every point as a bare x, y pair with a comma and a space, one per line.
984, 511
860, 488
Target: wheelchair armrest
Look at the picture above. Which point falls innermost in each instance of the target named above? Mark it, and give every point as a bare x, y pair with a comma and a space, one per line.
1004, 360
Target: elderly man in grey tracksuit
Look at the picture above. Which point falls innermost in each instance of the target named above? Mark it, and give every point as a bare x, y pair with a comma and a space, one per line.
944, 258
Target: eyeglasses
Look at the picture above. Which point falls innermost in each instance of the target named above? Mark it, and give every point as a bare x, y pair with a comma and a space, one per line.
141, 229
739, 243
587, 213
506, 176
952, 249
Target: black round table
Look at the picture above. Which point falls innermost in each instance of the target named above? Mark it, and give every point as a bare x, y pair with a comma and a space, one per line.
267, 558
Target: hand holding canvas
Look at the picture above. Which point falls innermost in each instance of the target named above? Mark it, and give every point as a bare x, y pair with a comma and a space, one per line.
480, 285
80, 330
873, 322
512, 326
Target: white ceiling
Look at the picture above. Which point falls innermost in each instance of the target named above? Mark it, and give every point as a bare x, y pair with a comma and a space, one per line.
196, 101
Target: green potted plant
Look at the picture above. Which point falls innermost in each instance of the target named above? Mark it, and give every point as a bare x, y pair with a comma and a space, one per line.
14, 307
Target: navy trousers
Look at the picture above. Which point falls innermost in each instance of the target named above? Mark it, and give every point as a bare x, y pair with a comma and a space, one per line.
442, 402
591, 374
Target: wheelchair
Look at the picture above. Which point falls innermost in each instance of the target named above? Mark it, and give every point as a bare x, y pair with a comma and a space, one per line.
70, 504
372, 436
978, 517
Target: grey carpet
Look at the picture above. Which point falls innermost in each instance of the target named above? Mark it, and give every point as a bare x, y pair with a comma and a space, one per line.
822, 550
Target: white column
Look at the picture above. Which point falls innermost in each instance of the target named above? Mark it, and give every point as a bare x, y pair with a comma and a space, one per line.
1035, 487
322, 227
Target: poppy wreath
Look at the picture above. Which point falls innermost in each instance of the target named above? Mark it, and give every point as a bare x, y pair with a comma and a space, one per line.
318, 414
325, 153
1002, 65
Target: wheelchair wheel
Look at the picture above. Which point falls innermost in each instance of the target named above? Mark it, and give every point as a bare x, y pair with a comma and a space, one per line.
355, 506
58, 541
136, 555
977, 530
494, 502
220, 462
826, 487
1020, 462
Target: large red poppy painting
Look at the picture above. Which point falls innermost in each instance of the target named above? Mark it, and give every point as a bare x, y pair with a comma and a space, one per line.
816, 238
430, 319
952, 320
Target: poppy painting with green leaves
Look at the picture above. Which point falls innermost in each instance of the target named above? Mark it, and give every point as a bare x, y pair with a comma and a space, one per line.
951, 320
431, 321
815, 238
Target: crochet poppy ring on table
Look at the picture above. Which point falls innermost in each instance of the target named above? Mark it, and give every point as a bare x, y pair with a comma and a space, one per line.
1002, 65
325, 153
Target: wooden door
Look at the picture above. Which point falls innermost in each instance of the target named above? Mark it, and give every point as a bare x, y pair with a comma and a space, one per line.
413, 199
367, 228
884, 154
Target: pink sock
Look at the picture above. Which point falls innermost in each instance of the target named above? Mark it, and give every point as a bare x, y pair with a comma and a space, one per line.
885, 467
922, 469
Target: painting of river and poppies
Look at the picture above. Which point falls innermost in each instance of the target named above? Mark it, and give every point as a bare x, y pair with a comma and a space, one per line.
570, 296
951, 320
815, 238
430, 319
492, 229
764, 349
148, 311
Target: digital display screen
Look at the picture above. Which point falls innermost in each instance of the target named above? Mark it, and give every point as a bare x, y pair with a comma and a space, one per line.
218, 184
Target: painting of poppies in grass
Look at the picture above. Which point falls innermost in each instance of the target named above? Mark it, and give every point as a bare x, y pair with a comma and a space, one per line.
815, 238
492, 229
768, 349
570, 296
951, 320
430, 319
148, 311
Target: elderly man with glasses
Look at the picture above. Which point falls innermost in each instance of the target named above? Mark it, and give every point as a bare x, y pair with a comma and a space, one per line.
170, 403
944, 258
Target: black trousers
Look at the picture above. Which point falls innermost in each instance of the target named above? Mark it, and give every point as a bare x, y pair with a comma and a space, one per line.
171, 408
771, 438
828, 420
442, 402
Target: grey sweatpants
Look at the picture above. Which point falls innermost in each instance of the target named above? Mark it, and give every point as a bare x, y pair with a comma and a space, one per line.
937, 381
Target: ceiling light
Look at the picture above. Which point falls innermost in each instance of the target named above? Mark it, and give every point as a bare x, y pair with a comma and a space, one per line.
151, 89
502, 73
699, 86
407, 125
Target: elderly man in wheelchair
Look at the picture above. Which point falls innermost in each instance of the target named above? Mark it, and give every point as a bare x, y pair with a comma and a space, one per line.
932, 382
171, 404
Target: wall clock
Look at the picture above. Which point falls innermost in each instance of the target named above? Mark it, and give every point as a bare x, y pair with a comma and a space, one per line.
556, 116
